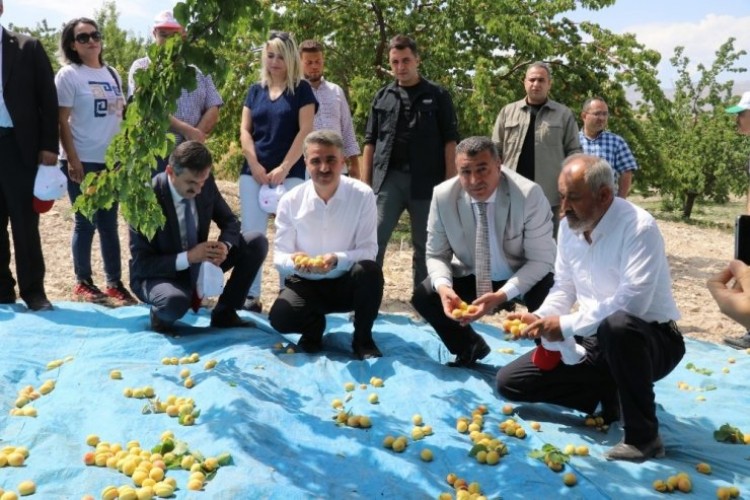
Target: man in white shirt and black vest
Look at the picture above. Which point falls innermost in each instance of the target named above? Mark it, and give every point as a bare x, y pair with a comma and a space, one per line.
611, 262
326, 243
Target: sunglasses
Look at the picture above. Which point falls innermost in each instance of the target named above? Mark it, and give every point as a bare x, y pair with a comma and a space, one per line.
85, 37
281, 35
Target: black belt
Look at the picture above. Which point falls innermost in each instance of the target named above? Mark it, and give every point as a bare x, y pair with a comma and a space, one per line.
5, 131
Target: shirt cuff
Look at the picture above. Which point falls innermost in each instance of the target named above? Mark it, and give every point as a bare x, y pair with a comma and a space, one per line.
440, 282
567, 322
182, 261
511, 291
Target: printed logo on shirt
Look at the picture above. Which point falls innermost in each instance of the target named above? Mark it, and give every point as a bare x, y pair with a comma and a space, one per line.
104, 103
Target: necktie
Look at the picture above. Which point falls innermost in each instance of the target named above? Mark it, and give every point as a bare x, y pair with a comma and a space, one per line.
482, 252
191, 234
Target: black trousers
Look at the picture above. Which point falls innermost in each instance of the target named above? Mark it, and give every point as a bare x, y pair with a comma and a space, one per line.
16, 195
624, 359
459, 338
171, 298
302, 305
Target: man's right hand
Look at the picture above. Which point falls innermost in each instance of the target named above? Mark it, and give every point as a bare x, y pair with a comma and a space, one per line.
734, 300
450, 300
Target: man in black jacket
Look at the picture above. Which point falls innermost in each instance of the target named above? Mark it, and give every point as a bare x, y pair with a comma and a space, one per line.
28, 138
410, 146
164, 269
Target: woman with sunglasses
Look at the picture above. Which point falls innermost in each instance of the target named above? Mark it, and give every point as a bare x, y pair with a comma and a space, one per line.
91, 102
277, 116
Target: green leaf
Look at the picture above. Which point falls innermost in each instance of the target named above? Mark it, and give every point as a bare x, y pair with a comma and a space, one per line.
224, 459
476, 449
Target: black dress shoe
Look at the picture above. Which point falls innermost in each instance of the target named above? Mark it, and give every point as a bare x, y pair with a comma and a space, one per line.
308, 345
228, 318
366, 349
158, 325
253, 305
739, 342
471, 355
39, 303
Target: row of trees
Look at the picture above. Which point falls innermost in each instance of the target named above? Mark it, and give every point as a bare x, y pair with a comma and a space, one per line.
686, 145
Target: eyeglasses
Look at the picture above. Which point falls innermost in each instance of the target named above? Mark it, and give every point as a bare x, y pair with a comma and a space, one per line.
281, 35
85, 37
599, 114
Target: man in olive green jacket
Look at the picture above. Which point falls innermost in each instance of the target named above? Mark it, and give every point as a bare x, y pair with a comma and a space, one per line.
534, 135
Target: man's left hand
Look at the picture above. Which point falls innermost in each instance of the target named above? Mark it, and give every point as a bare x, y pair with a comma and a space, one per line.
216, 252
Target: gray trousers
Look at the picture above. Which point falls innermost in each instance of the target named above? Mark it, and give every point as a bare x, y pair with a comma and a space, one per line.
395, 197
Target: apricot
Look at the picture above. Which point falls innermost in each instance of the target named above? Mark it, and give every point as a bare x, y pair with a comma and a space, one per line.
507, 409
184, 373
365, 422
493, 457
536, 426
195, 484
388, 441
570, 479
582, 450
210, 364
373, 398
115, 375
337, 403
426, 455
349, 386
16, 459
703, 468
399, 445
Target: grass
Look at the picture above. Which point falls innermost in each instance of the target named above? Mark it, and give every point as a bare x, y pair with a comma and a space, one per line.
705, 214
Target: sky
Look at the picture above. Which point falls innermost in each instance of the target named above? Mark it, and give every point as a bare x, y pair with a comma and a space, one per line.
701, 26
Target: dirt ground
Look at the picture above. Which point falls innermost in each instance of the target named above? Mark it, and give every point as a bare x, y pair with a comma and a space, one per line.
694, 254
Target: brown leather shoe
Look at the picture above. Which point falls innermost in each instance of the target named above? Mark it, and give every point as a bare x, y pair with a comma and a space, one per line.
636, 453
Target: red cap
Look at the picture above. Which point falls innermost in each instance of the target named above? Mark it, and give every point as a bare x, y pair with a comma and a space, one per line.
545, 359
42, 206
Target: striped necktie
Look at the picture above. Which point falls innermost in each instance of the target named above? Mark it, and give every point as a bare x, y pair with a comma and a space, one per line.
482, 252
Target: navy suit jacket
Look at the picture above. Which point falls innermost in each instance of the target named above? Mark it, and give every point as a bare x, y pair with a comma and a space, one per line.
30, 96
156, 258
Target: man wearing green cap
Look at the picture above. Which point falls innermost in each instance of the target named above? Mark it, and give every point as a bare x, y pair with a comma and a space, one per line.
733, 299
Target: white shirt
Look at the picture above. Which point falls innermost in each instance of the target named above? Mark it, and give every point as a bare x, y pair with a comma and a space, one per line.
95, 100
182, 260
334, 114
345, 226
624, 268
5, 119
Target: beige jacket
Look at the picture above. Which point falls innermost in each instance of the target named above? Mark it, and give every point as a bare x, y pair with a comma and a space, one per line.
522, 219
556, 137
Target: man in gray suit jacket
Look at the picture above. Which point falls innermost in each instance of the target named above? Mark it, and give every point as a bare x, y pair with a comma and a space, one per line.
521, 248
28, 138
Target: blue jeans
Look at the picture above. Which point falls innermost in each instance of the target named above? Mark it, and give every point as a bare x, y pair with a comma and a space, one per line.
105, 221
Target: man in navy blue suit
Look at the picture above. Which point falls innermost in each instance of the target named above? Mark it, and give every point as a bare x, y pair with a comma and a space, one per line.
163, 270
28, 138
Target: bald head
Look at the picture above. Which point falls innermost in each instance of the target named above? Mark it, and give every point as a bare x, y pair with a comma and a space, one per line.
587, 188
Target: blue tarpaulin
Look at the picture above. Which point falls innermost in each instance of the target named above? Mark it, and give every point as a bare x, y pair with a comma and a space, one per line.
272, 411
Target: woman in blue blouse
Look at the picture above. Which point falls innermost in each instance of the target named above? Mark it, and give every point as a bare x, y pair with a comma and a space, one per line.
277, 115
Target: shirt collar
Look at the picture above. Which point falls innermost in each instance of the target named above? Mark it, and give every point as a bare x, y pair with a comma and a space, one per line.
491, 199
175, 195
607, 221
